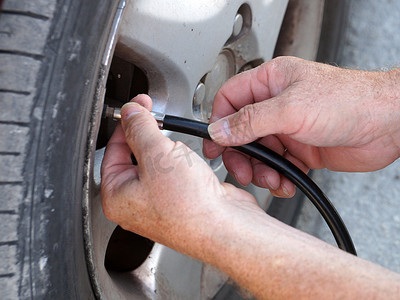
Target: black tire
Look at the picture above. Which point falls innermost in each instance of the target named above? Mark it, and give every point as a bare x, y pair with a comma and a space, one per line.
50, 54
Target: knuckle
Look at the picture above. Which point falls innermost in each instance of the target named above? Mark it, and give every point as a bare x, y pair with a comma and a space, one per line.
244, 125
277, 62
281, 62
287, 65
134, 127
287, 60
245, 115
248, 117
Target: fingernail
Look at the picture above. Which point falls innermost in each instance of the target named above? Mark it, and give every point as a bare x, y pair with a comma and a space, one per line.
129, 109
239, 179
219, 131
285, 190
267, 183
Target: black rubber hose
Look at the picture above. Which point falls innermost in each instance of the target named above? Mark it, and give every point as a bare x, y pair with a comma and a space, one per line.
283, 166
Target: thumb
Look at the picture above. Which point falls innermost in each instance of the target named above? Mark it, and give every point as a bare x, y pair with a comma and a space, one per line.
248, 124
141, 131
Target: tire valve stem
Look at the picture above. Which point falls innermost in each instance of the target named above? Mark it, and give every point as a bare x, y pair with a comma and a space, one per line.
115, 114
111, 112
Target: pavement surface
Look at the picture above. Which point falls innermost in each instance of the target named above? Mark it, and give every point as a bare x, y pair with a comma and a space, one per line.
369, 203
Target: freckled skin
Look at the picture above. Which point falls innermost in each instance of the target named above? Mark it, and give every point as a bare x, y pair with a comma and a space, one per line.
318, 116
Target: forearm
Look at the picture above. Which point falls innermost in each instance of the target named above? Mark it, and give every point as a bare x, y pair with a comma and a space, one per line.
275, 261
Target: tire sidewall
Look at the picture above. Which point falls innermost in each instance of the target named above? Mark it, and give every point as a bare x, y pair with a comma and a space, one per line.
55, 166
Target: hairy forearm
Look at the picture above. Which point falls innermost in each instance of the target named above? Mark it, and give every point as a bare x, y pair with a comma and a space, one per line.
275, 261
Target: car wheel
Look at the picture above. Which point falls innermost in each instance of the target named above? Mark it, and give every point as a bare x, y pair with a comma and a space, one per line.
60, 62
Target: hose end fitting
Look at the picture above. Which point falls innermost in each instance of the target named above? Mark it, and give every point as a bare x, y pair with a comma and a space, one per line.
115, 114
159, 118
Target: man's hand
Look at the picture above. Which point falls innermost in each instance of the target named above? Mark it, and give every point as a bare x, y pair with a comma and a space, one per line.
163, 197
315, 115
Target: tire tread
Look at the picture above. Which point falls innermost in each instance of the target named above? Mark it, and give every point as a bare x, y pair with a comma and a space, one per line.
41, 8
24, 30
23, 34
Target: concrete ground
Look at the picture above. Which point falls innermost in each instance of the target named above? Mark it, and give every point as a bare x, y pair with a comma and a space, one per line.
369, 203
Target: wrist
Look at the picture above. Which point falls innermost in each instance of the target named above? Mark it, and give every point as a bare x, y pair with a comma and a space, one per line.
237, 239
391, 95
392, 84
224, 227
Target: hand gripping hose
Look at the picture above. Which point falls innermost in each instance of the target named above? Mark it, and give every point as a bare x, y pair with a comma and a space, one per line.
272, 159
